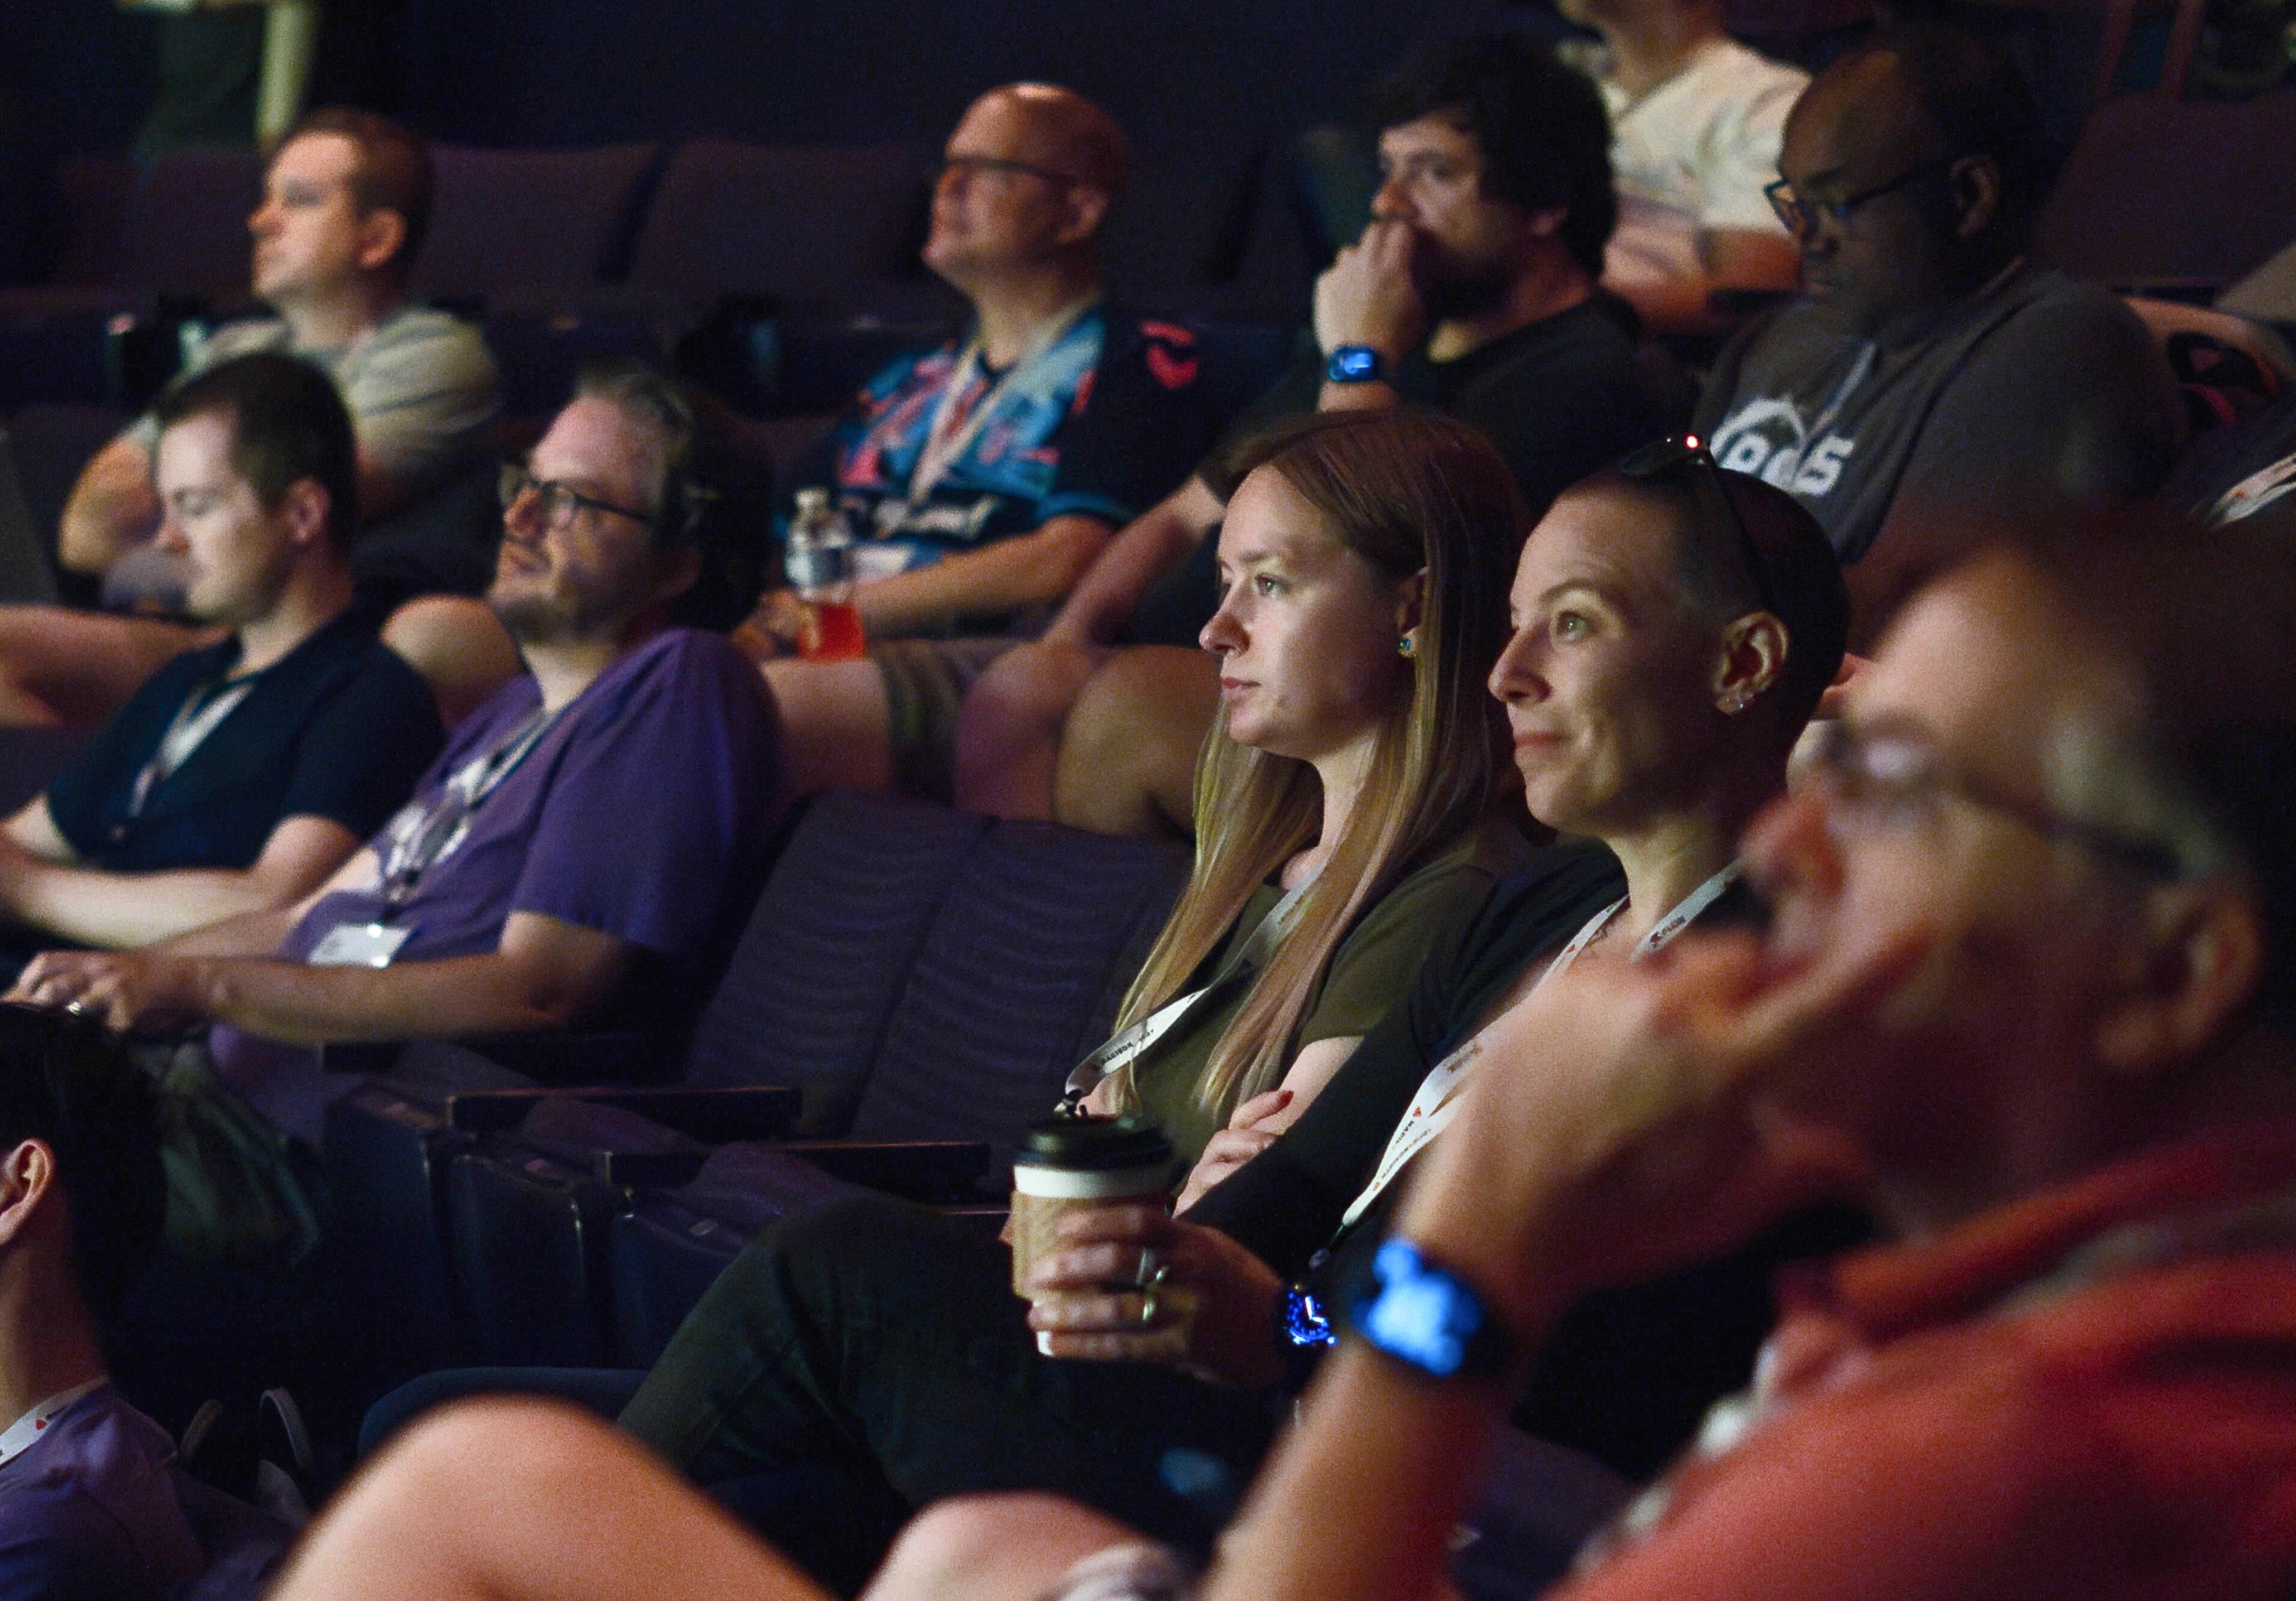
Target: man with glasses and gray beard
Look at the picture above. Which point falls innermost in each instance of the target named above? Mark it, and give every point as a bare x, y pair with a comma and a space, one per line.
1928, 364
572, 846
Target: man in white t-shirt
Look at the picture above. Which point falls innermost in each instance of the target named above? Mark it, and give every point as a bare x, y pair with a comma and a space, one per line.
1696, 118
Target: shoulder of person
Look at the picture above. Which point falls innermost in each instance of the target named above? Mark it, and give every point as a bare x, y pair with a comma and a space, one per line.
423, 333
1162, 351
692, 673
256, 334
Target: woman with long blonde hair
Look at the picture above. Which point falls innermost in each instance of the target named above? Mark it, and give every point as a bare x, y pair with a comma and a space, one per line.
1352, 784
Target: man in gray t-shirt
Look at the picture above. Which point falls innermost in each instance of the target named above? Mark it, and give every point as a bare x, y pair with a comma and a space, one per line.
346, 201
1929, 364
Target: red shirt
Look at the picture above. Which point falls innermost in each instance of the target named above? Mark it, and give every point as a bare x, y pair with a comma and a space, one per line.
2091, 1394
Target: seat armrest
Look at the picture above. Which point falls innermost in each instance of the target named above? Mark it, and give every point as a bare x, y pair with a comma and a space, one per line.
760, 1112
919, 1170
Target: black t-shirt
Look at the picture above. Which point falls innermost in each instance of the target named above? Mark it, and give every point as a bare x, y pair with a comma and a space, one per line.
1559, 398
339, 728
1630, 1373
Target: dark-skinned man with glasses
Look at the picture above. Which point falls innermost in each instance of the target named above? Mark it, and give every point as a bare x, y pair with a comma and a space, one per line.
1928, 362
565, 859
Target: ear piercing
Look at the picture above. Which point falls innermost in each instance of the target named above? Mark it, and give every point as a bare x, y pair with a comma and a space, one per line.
1409, 645
1735, 702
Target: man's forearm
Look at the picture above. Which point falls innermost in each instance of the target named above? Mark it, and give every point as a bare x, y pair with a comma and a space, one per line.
1151, 546
119, 911
112, 508
1030, 569
303, 1005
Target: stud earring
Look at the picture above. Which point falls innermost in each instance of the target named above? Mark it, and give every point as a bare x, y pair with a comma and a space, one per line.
1407, 646
1735, 702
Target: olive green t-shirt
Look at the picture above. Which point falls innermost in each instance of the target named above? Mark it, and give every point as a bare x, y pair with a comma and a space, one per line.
1370, 971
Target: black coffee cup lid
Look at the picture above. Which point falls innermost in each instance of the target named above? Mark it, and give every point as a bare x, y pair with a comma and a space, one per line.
1094, 1144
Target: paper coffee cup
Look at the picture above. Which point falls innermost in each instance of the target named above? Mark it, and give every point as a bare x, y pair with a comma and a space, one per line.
1070, 1162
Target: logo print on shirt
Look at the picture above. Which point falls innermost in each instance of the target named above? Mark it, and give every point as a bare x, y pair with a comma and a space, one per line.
1767, 439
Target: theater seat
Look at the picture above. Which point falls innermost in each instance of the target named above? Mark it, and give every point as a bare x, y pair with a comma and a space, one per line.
805, 226
532, 222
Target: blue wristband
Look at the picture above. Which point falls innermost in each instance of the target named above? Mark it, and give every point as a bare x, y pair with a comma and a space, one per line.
1356, 364
1429, 1318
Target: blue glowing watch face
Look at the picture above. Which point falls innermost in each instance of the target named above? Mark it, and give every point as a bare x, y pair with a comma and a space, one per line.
1353, 363
1422, 1316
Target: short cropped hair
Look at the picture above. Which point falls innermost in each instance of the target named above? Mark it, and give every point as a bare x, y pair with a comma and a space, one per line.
712, 496
1981, 105
395, 170
1801, 580
287, 425
66, 1082
2206, 763
1544, 136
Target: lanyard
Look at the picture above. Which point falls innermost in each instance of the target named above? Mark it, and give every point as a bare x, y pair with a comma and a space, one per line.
954, 424
419, 840
25, 1431
1129, 1043
202, 710
1437, 1100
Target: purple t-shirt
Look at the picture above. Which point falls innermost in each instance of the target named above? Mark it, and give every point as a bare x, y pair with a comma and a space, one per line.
629, 817
90, 1509
634, 815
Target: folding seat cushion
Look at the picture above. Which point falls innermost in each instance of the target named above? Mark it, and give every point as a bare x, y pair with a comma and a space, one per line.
800, 225
527, 222
813, 983
1020, 977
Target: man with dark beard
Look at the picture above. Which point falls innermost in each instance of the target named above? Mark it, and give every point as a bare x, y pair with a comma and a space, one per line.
565, 859
1472, 292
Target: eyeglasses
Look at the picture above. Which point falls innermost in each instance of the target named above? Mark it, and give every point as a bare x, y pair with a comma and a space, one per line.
998, 166
556, 502
1896, 778
1661, 457
1800, 215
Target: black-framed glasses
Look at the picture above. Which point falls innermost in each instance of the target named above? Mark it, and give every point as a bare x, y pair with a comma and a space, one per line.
1661, 457
556, 502
998, 167
1897, 776
1800, 216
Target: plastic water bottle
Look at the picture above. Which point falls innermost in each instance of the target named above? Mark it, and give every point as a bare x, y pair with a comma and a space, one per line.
818, 560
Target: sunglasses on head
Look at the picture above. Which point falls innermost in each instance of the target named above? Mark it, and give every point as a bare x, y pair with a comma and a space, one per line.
1661, 457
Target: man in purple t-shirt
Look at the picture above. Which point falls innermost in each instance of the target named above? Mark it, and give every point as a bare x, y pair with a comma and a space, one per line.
90, 1502
582, 827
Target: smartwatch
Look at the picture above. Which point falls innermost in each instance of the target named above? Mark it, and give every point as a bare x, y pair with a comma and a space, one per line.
1429, 1318
1356, 364
1302, 1330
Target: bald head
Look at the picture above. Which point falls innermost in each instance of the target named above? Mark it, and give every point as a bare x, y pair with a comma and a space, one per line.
1068, 134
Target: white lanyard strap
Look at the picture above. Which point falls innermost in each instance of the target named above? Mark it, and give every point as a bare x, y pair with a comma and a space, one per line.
1128, 1045
955, 423
197, 717
26, 1430
426, 837
1439, 1099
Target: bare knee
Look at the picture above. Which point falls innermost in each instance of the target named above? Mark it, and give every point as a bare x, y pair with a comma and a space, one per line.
1127, 757
1008, 730
835, 724
987, 1547
459, 647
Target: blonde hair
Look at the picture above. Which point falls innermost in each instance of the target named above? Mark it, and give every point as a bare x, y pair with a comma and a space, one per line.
1404, 491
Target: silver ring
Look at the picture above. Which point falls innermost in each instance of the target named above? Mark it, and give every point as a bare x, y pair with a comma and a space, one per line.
1152, 1267
77, 1008
1148, 1308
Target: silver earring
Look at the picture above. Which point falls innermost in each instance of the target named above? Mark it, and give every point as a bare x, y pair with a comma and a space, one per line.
1407, 646
1735, 702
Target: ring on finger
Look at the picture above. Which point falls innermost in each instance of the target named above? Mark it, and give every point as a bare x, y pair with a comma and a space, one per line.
78, 1008
1151, 1269
1148, 1308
